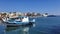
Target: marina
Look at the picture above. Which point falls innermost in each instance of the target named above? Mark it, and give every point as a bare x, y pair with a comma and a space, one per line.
29, 16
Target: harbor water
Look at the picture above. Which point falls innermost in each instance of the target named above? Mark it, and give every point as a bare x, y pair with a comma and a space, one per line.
43, 25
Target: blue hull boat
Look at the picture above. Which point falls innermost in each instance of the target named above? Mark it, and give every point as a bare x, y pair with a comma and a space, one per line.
19, 21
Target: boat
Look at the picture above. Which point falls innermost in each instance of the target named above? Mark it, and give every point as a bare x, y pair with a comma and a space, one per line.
18, 21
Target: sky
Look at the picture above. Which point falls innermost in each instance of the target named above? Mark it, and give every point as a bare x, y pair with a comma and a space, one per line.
38, 6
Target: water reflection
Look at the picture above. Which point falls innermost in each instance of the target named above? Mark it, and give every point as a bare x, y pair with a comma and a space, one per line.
2, 28
19, 30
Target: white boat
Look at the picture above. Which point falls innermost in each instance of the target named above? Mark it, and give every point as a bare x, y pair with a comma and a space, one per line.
21, 20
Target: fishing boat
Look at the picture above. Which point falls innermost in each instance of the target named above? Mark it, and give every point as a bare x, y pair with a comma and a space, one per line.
17, 21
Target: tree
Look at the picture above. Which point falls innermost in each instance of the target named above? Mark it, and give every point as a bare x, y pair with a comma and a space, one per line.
28, 14
38, 14
33, 14
4, 15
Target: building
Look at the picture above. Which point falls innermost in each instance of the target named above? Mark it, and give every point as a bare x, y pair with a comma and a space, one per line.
45, 15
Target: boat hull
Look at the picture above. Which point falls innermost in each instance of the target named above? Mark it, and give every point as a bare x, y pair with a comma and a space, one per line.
16, 25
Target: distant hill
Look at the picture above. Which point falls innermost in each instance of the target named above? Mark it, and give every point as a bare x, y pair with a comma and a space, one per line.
51, 16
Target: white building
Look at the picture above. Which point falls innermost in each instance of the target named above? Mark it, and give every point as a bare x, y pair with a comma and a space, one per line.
45, 15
